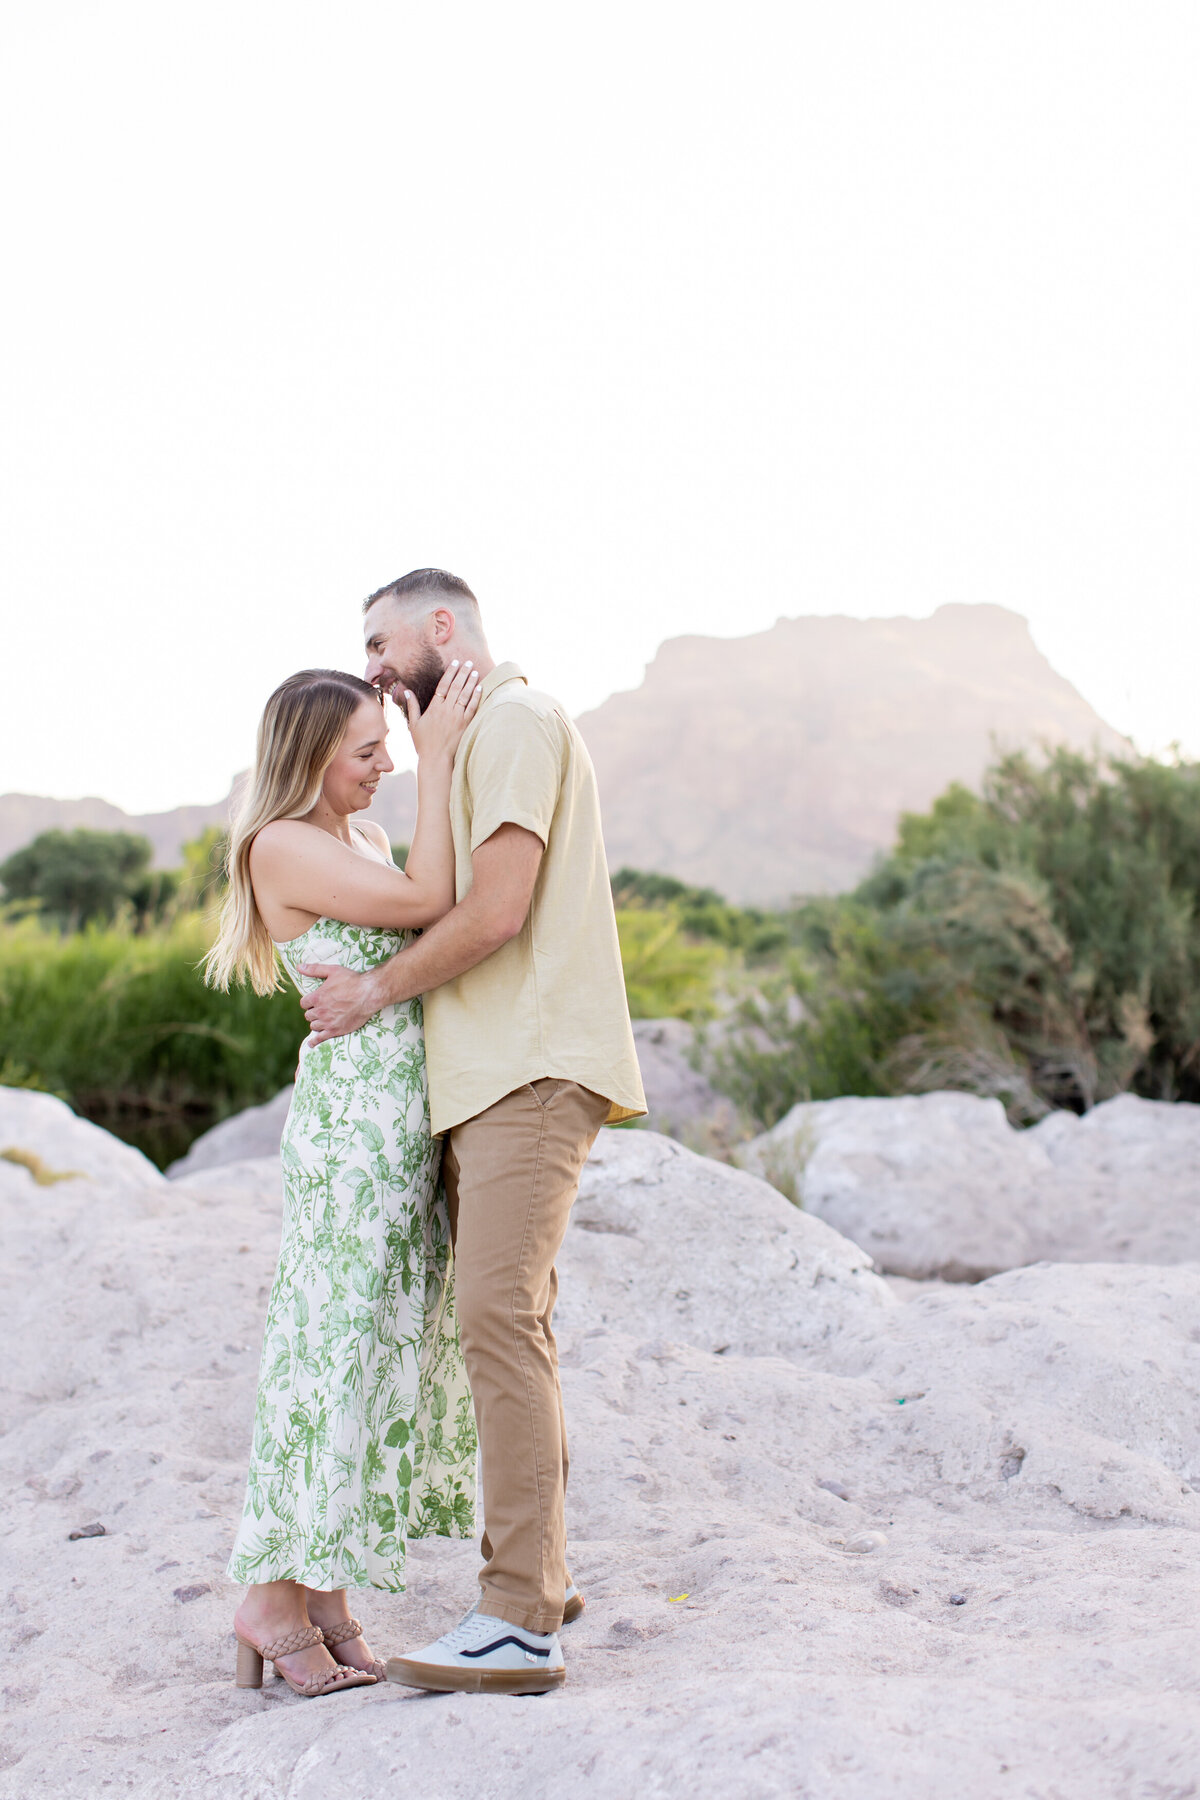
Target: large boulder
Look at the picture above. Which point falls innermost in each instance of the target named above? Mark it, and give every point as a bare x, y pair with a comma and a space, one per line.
247, 1135
942, 1185
676, 1246
43, 1143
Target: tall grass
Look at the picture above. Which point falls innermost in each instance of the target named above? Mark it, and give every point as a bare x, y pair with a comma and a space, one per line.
112, 1020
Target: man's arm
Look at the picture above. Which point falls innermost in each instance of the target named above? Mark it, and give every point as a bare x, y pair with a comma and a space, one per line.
504, 870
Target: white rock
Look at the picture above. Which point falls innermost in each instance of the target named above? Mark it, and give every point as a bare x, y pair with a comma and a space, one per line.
245, 1136
942, 1185
675, 1246
63, 1142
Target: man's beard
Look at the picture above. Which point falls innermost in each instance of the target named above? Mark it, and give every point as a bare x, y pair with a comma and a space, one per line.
422, 679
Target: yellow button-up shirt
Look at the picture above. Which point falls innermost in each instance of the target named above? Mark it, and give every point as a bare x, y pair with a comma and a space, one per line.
550, 1002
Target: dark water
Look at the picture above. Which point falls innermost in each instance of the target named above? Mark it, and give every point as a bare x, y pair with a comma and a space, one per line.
162, 1136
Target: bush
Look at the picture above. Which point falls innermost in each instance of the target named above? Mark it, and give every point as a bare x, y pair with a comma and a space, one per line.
666, 976
1036, 942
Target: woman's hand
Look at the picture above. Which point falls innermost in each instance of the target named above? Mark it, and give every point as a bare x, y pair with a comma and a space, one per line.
438, 730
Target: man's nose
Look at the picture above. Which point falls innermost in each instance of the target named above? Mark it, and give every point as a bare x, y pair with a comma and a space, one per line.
374, 670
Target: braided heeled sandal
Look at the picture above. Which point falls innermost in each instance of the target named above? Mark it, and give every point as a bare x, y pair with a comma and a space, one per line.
342, 1634
250, 1659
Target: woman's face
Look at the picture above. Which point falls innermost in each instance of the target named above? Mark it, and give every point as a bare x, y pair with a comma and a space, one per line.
361, 758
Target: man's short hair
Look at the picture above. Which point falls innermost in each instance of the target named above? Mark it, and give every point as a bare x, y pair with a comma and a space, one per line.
433, 585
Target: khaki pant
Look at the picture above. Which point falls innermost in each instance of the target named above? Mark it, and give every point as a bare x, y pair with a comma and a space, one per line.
511, 1175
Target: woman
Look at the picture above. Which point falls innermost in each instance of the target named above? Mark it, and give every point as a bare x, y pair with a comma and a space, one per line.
363, 1432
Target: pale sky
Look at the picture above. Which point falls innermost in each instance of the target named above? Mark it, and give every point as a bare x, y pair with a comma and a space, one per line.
646, 319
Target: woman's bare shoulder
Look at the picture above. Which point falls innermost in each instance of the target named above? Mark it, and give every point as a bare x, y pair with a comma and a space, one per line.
285, 838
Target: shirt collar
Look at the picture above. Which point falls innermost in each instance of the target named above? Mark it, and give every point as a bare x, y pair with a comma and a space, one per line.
500, 674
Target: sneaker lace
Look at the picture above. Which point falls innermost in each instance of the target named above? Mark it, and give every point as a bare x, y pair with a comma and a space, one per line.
468, 1631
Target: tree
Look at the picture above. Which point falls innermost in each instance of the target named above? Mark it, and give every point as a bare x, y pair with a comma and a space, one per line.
75, 877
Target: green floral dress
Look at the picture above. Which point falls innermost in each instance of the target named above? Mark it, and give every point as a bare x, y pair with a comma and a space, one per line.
364, 1434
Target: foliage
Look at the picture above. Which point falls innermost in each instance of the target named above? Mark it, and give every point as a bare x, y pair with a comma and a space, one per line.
110, 1018
1036, 942
701, 912
77, 877
666, 975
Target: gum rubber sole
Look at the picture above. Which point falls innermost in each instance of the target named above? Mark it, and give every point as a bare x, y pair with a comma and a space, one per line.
439, 1679
573, 1609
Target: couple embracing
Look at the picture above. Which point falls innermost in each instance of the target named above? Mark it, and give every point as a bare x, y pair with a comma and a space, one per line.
445, 1104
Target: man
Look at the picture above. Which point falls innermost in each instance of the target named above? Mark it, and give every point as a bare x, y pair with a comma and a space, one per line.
529, 1051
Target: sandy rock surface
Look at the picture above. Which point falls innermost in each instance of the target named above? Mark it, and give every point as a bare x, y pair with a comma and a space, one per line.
942, 1185
835, 1546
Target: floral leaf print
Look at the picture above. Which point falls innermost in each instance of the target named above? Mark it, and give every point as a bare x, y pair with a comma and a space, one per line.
362, 1372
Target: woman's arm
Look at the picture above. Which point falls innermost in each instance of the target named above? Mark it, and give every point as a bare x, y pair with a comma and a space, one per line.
301, 866
430, 859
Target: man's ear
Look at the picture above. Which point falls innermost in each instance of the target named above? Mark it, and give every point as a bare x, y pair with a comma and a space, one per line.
442, 620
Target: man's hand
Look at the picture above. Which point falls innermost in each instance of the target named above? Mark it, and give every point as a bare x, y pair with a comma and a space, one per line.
343, 1002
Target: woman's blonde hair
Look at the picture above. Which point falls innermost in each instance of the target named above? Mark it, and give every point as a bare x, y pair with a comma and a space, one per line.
302, 725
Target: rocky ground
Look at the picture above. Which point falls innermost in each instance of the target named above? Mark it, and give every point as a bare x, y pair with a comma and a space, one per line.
842, 1538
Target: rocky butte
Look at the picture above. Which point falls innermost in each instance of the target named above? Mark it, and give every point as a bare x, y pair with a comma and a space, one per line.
779, 763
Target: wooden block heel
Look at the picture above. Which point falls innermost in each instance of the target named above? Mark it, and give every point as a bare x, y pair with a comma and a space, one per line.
250, 1658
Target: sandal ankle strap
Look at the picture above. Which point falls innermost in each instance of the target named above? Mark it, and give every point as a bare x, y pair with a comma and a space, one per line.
303, 1639
341, 1634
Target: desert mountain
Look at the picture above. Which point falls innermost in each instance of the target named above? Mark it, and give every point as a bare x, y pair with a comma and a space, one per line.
23, 816
764, 766
778, 764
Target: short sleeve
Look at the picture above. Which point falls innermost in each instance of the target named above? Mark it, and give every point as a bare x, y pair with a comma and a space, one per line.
515, 772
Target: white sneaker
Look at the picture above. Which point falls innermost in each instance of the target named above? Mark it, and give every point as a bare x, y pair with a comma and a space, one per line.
483, 1655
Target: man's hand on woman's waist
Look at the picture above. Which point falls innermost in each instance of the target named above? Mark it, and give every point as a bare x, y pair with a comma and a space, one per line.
344, 1001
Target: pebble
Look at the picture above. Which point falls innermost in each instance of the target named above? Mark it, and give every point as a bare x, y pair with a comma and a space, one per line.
836, 1488
958, 1599
865, 1541
184, 1594
96, 1530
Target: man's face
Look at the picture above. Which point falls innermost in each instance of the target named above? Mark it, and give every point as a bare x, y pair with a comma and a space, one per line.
399, 654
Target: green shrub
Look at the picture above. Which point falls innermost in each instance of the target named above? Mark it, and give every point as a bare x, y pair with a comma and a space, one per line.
1036, 942
111, 1019
666, 976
